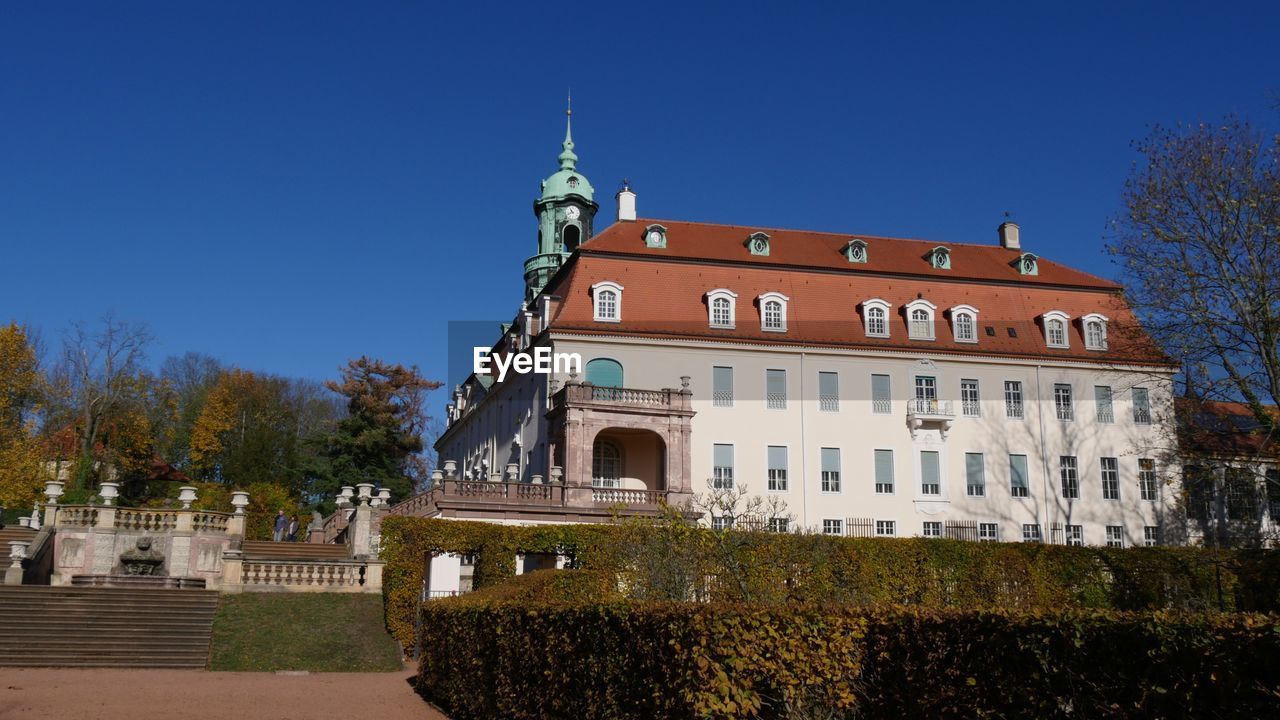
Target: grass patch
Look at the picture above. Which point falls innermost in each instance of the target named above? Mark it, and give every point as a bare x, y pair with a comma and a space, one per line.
319, 632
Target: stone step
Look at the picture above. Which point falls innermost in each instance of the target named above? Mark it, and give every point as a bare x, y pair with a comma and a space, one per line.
257, 549
135, 607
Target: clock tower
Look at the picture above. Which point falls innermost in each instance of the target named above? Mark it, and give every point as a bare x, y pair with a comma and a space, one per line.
565, 212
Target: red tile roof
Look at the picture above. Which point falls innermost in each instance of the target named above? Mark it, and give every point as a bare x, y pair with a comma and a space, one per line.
665, 290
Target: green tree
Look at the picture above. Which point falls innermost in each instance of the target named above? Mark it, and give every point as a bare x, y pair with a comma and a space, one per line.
20, 388
380, 440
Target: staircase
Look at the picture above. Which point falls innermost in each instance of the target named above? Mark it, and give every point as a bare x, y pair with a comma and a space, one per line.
260, 550
13, 532
46, 626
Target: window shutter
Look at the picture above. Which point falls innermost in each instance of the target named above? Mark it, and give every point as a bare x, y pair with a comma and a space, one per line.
884, 467
1018, 471
973, 469
724, 456
929, 473
777, 457
831, 459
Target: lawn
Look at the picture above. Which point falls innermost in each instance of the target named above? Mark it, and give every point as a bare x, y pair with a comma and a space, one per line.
319, 632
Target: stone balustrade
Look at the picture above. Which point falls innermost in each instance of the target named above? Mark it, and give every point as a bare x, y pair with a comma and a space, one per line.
620, 496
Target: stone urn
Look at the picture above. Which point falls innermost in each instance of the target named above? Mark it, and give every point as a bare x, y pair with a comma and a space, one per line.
109, 492
53, 491
450, 469
240, 501
186, 496
385, 496
142, 559
364, 491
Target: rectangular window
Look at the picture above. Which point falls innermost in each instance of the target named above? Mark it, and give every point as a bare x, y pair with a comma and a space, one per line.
930, 473
1110, 479
721, 522
1012, 399
1019, 482
1151, 535
1273, 494
1102, 398
1242, 494
1141, 406
828, 392
831, 470
777, 468
932, 529
1075, 535
881, 395
832, 527
722, 386
779, 524
1062, 401
975, 475
988, 532
775, 388
884, 471
1031, 533
722, 467
1115, 536
1147, 478
926, 388
970, 403
886, 528
1070, 474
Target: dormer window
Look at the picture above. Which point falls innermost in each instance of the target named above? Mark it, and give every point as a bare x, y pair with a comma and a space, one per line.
773, 312
964, 323
655, 236
920, 314
758, 244
572, 182
721, 308
856, 251
875, 318
1055, 329
1027, 264
1095, 331
606, 296
939, 258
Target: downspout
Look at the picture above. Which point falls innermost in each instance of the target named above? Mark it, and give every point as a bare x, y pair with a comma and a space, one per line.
1044, 460
804, 474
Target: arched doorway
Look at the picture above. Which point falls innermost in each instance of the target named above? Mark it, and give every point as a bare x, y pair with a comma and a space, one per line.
606, 464
628, 459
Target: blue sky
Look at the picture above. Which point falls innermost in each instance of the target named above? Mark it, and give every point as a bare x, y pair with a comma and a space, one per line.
288, 185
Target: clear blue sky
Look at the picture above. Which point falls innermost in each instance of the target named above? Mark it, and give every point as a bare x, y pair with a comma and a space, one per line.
287, 185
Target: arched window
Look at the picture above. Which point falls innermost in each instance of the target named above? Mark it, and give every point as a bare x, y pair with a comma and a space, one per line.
1055, 329
773, 312
1095, 331
875, 317
607, 297
920, 319
572, 236
606, 465
964, 323
721, 306
604, 372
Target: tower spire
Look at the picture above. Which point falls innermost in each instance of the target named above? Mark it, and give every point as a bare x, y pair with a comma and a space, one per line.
568, 160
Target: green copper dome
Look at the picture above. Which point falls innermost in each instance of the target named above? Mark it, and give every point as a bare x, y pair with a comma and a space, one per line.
567, 180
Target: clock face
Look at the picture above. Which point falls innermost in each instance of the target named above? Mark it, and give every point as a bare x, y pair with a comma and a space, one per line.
655, 237
571, 212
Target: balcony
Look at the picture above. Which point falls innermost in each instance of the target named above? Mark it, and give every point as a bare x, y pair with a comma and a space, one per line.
930, 412
588, 396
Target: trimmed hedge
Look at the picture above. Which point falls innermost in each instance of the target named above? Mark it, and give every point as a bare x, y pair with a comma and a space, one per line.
621, 660
789, 568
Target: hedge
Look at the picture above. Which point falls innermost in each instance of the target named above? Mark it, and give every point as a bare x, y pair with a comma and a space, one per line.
622, 660
789, 568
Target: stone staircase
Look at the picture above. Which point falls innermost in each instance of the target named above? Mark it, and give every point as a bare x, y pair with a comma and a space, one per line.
260, 550
13, 532
46, 626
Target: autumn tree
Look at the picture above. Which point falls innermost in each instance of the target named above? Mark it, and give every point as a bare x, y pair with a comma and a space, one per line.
96, 379
380, 440
20, 387
1198, 243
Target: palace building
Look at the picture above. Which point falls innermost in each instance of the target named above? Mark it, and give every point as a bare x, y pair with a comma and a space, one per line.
879, 386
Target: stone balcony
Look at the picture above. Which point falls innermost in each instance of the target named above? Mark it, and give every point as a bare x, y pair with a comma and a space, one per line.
496, 499
930, 413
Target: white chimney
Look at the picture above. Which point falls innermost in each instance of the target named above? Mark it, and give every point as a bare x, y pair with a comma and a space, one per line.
1009, 236
626, 203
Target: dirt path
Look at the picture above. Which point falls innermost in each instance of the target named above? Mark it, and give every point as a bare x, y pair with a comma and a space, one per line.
109, 694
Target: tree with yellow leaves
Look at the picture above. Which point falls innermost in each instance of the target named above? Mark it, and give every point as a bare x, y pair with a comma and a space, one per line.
20, 387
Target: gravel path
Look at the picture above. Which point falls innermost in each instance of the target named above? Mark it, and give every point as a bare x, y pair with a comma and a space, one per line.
110, 694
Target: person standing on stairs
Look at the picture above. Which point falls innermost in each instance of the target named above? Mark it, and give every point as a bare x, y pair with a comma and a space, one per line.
282, 522
293, 529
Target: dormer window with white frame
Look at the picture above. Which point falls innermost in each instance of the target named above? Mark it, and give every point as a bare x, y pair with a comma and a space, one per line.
773, 311
757, 243
939, 258
920, 316
964, 323
655, 236
722, 308
855, 251
1056, 323
875, 318
1095, 331
606, 297
1027, 264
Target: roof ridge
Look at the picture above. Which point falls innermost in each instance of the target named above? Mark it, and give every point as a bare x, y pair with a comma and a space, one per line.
766, 228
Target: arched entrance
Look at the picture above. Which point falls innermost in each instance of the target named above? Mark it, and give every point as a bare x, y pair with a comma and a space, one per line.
629, 459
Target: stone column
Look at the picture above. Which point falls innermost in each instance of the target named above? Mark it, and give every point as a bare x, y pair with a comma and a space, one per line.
232, 571
178, 564
373, 576
102, 539
359, 532
17, 553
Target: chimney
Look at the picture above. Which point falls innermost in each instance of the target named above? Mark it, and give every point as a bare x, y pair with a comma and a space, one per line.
626, 203
1009, 236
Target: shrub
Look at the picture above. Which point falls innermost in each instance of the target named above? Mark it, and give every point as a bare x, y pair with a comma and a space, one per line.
613, 661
